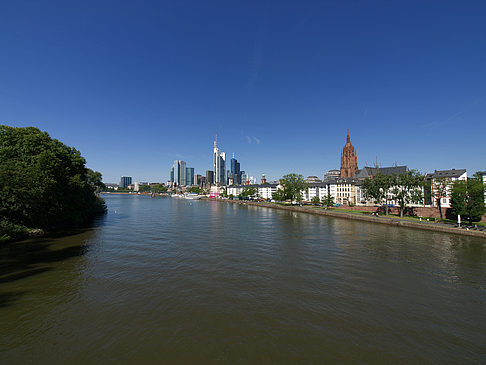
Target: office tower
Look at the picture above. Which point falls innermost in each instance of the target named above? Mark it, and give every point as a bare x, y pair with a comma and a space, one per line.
244, 177
235, 174
125, 181
209, 177
189, 175
178, 173
219, 165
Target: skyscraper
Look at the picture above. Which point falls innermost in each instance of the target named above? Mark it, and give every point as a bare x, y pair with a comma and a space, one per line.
219, 165
235, 173
189, 175
178, 173
209, 177
349, 160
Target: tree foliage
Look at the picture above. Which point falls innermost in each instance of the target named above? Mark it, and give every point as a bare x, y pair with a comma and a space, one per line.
293, 186
195, 190
328, 200
467, 199
45, 183
249, 191
407, 188
315, 200
279, 195
378, 189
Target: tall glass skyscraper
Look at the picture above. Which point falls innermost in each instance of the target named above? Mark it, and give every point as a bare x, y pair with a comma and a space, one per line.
189, 175
235, 171
178, 173
219, 164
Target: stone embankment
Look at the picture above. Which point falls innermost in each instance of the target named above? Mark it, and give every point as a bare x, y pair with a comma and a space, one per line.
438, 227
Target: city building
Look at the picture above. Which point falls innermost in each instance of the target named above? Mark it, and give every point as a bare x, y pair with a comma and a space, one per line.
178, 173
190, 176
235, 173
331, 174
450, 176
312, 180
349, 160
264, 179
125, 181
209, 177
482, 174
264, 191
245, 179
219, 165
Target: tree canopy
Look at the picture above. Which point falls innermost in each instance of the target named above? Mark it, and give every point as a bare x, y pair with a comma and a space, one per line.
467, 199
45, 184
293, 186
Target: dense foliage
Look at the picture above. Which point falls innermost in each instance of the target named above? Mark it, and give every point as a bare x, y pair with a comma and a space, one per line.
45, 183
467, 199
293, 186
405, 188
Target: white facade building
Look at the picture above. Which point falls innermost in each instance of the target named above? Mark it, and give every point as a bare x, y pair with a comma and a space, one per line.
450, 176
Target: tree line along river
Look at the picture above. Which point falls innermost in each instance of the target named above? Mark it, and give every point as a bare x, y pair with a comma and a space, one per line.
176, 281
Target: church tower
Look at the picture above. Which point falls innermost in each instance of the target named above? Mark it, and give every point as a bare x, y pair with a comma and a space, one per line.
349, 160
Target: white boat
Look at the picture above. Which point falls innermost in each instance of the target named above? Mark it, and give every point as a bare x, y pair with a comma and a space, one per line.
192, 196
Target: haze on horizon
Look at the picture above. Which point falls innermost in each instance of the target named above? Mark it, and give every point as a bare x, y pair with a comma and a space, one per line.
135, 86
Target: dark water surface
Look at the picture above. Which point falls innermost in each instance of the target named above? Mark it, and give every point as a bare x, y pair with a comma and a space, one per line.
177, 281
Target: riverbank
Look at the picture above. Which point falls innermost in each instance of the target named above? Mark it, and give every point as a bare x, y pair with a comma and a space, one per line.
394, 221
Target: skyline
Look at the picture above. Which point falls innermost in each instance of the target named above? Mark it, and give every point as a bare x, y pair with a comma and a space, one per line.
135, 87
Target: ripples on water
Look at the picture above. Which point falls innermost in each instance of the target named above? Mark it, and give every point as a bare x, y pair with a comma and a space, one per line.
175, 281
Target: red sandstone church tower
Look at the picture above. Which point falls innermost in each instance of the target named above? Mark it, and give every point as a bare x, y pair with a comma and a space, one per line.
349, 160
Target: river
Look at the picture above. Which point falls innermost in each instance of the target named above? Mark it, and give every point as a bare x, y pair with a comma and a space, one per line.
175, 281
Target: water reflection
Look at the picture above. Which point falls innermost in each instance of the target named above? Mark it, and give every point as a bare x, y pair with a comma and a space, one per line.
175, 281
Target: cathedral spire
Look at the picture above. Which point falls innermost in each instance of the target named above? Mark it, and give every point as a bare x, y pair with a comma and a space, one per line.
349, 160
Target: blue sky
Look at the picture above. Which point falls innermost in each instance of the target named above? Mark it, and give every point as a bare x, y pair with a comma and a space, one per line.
134, 85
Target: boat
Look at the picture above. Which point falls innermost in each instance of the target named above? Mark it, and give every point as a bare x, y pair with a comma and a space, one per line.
192, 196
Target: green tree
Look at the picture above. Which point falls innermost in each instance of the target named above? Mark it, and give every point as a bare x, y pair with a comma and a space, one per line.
315, 200
293, 186
158, 188
144, 188
279, 195
377, 189
249, 192
328, 200
45, 183
440, 189
195, 190
467, 199
408, 188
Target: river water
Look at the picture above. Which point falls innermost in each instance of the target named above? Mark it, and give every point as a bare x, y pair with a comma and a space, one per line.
174, 281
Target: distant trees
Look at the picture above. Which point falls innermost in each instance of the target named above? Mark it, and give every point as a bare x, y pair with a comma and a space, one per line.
44, 183
467, 198
279, 195
193, 189
293, 186
407, 188
328, 200
248, 192
315, 200
377, 189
